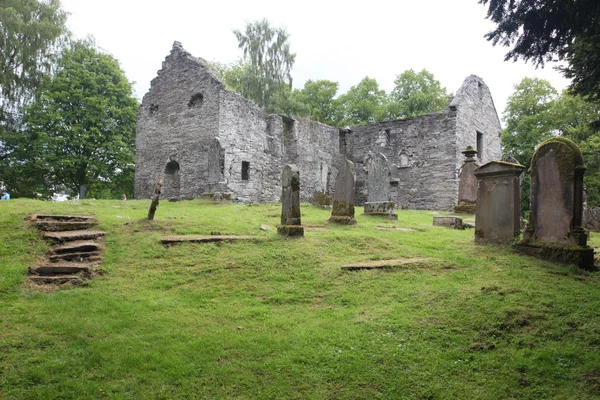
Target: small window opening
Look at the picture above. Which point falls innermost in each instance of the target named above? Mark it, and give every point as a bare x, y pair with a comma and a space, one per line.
388, 137
480, 145
480, 90
153, 109
245, 170
196, 100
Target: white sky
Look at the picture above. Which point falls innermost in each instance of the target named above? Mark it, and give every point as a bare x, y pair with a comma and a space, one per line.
342, 41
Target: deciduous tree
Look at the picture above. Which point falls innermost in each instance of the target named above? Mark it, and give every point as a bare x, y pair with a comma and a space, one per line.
363, 104
81, 129
416, 93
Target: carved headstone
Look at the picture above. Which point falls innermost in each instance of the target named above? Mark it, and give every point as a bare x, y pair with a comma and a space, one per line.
467, 183
555, 226
378, 178
498, 214
592, 219
291, 225
343, 199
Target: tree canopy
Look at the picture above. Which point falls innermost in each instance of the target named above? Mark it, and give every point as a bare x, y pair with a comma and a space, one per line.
363, 104
536, 112
81, 129
30, 33
270, 61
416, 93
546, 30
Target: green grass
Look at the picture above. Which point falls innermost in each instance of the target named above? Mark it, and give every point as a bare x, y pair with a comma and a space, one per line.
277, 318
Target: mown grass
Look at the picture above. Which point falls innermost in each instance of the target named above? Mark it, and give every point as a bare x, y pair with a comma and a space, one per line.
276, 318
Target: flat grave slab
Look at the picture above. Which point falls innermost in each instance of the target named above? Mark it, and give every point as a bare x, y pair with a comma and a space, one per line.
380, 264
168, 240
382, 228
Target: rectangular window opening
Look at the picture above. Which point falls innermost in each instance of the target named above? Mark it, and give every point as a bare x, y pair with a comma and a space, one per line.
388, 137
245, 170
480, 145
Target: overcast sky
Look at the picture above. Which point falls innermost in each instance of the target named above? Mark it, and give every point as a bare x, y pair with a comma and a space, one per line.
343, 41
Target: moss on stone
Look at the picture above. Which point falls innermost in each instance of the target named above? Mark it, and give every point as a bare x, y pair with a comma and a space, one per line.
341, 208
567, 153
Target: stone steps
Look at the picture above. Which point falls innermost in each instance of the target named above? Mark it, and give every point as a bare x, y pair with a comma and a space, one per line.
69, 236
76, 252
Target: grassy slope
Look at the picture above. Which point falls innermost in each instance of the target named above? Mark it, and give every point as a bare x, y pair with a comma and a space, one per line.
279, 319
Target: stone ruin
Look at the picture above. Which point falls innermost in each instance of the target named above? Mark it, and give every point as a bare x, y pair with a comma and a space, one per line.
203, 139
555, 226
378, 178
467, 183
343, 198
291, 225
498, 213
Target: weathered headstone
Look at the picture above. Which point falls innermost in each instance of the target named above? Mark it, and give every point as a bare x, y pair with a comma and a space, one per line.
498, 213
291, 225
592, 219
378, 178
467, 183
155, 200
343, 199
555, 227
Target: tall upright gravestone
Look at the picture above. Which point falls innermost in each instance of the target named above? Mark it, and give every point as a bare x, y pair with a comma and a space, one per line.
291, 225
498, 212
467, 183
343, 199
378, 178
555, 226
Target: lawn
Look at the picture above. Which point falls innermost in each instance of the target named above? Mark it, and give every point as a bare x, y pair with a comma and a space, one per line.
278, 319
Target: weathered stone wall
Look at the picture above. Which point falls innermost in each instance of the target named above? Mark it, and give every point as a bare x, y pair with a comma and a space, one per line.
178, 121
475, 112
422, 156
202, 138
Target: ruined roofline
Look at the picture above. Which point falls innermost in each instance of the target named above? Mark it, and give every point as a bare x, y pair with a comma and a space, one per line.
456, 100
441, 113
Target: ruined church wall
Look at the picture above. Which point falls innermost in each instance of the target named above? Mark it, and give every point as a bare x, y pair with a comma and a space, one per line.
314, 148
243, 137
421, 154
476, 113
178, 120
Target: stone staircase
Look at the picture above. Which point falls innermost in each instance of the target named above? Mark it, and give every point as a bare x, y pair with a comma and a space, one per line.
76, 252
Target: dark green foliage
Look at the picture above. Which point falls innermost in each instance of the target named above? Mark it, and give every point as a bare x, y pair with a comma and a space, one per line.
547, 30
363, 104
80, 131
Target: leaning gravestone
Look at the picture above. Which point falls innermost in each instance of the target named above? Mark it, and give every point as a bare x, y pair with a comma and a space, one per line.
343, 199
498, 213
378, 178
290, 203
467, 183
555, 226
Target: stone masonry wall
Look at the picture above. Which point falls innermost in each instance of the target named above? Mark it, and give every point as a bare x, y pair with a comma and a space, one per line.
177, 121
422, 156
476, 113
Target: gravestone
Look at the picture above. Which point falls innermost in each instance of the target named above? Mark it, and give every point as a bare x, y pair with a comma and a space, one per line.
378, 180
343, 199
449, 222
555, 227
592, 219
291, 225
498, 212
467, 183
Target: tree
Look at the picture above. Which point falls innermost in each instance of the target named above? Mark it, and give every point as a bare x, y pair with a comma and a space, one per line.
319, 98
267, 52
416, 93
231, 74
547, 30
30, 37
363, 104
536, 112
81, 130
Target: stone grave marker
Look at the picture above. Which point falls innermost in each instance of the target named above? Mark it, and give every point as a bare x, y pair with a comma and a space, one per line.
343, 199
378, 180
498, 213
467, 183
291, 225
555, 226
